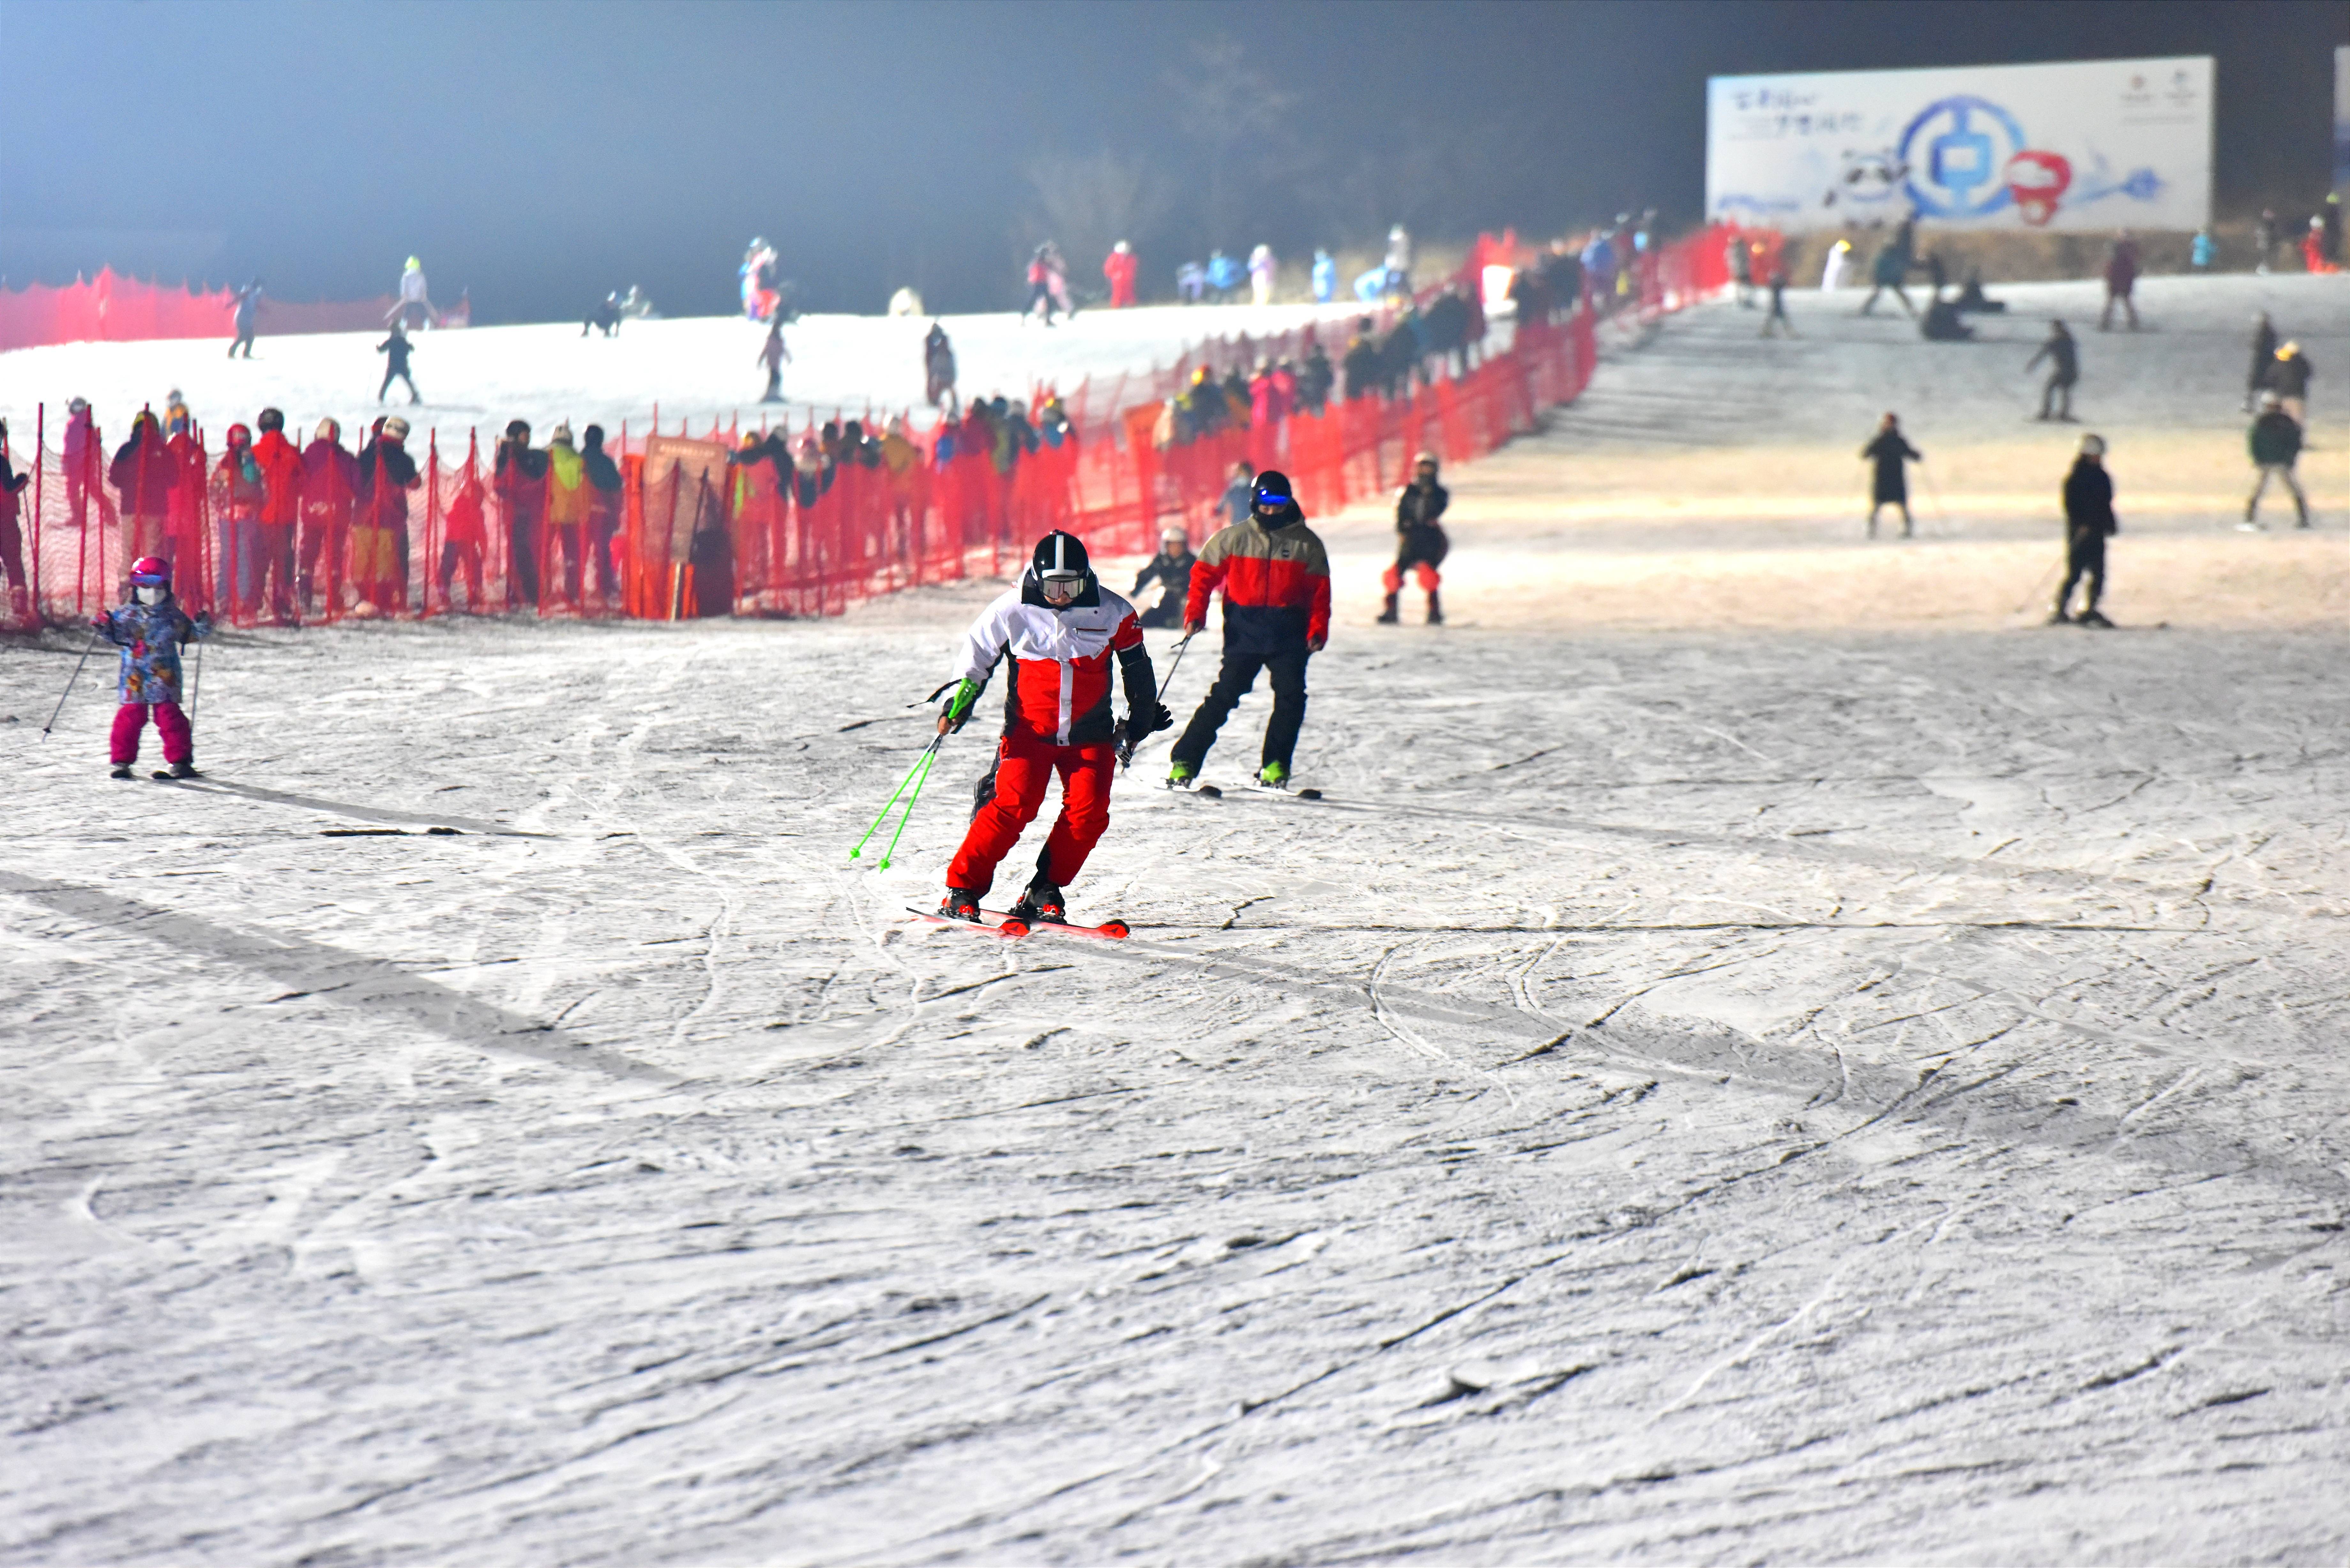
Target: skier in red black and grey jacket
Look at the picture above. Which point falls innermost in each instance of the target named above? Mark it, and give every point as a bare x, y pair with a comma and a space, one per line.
1276, 580
1061, 628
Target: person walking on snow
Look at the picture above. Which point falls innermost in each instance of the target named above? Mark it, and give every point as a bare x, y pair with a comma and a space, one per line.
2063, 356
1060, 629
395, 369
2121, 277
414, 308
1420, 544
1778, 319
2275, 441
775, 356
1173, 569
938, 368
2264, 348
150, 628
1889, 484
246, 304
1118, 267
1892, 264
2089, 521
1275, 575
2288, 377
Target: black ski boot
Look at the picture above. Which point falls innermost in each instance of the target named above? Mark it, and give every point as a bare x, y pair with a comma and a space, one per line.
1042, 901
960, 904
186, 770
1389, 616
1435, 609
121, 771
2093, 617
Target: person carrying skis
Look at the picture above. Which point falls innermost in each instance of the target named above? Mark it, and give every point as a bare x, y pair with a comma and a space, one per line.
1061, 629
2089, 521
396, 367
1420, 544
150, 628
1276, 580
1889, 483
1172, 567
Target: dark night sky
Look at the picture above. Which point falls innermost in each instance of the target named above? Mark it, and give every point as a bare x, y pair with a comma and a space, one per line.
542, 153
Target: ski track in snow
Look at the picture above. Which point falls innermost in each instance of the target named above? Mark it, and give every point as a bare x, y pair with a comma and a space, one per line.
1772, 1098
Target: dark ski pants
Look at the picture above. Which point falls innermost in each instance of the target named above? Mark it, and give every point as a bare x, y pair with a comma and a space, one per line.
1233, 682
391, 376
2056, 399
244, 341
522, 561
2084, 556
1025, 768
170, 722
274, 576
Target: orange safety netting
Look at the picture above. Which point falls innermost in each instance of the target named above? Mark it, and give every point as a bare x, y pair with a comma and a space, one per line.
656, 524
110, 308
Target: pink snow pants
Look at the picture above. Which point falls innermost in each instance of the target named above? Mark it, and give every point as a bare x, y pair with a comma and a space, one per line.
171, 721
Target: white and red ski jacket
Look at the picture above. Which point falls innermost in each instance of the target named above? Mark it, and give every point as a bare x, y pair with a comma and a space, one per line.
1060, 688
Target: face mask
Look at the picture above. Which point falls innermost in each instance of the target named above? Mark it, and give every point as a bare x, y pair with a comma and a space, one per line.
147, 596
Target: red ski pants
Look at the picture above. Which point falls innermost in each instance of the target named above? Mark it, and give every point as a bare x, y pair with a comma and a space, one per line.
1392, 578
1023, 771
170, 720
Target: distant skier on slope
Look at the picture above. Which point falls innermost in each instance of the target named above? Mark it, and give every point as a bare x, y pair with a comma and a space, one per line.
1275, 575
1889, 482
150, 628
1060, 629
414, 310
395, 368
1420, 542
759, 299
2063, 356
775, 356
246, 304
1173, 569
938, 367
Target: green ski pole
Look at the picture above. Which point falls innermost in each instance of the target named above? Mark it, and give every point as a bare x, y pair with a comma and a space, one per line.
921, 764
925, 764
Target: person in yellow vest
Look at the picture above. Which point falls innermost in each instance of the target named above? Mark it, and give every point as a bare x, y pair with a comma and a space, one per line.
566, 508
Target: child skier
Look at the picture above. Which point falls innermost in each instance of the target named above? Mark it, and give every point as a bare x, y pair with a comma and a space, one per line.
1420, 542
1060, 626
149, 628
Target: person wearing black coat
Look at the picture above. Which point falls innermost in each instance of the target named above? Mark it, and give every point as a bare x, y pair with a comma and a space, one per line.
2089, 521
2264, 348
1420, 544
519, 477
396, 367
1171, 567
1889, 484
605, 503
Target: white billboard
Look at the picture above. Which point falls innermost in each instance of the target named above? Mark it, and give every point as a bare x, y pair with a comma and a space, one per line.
2095, 144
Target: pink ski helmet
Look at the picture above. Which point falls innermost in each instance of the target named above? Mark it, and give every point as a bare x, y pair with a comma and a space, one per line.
150, 572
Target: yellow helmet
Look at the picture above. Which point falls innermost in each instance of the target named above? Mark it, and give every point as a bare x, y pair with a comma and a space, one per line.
414, 265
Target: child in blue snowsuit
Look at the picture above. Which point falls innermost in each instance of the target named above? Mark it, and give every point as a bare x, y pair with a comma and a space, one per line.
150, 628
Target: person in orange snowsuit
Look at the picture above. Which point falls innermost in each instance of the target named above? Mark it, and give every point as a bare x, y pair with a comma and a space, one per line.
1119, 267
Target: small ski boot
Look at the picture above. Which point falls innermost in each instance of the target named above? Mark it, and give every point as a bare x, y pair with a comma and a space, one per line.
2093, 616
1435, 609
1390, 615
1042, 901
121, 771
960, 904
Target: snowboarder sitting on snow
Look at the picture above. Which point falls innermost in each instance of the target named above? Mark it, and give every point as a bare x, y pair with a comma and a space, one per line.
1420, 542
1276, 580
1061, 629
1172, 567
149, 627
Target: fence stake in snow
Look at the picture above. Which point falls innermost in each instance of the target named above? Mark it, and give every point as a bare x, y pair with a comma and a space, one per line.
69, 684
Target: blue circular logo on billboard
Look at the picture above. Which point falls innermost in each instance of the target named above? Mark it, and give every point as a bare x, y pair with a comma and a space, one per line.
1957, 149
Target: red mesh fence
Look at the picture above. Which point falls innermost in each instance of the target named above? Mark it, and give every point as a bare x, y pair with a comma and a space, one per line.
108, 309
655, 524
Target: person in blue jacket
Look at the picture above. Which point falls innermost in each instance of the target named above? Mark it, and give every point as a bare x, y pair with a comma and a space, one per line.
1326, 277
150, 628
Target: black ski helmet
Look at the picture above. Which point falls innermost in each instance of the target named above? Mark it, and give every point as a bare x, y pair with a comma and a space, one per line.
1060, 554
1271, 492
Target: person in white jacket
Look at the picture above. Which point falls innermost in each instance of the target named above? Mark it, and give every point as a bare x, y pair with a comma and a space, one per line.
1832, 273
415, 306
1263, 270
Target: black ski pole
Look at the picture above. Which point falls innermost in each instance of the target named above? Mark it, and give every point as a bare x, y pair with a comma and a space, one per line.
69, 684
196, 687
1134, 742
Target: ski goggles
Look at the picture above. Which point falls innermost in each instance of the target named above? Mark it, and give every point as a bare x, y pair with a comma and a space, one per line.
1272, 501
1061, 587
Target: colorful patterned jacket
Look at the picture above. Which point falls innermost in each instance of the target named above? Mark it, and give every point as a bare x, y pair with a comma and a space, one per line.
1276, 584
150, 637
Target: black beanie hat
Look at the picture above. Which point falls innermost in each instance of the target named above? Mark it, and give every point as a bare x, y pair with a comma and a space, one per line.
1273, 481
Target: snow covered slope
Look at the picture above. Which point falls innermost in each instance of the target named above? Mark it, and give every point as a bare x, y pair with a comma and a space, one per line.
699, 369
1681, 1100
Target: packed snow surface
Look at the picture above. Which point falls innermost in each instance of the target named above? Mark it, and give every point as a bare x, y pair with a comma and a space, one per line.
1799, 1094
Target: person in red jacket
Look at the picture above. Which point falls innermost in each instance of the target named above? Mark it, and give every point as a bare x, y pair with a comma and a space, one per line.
142, 475
331, 483
1060, 629
465, 535
238, 490
1276, 580
1119, 267
280, 462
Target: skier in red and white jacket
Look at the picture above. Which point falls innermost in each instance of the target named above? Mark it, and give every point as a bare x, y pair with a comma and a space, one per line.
1061, 629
